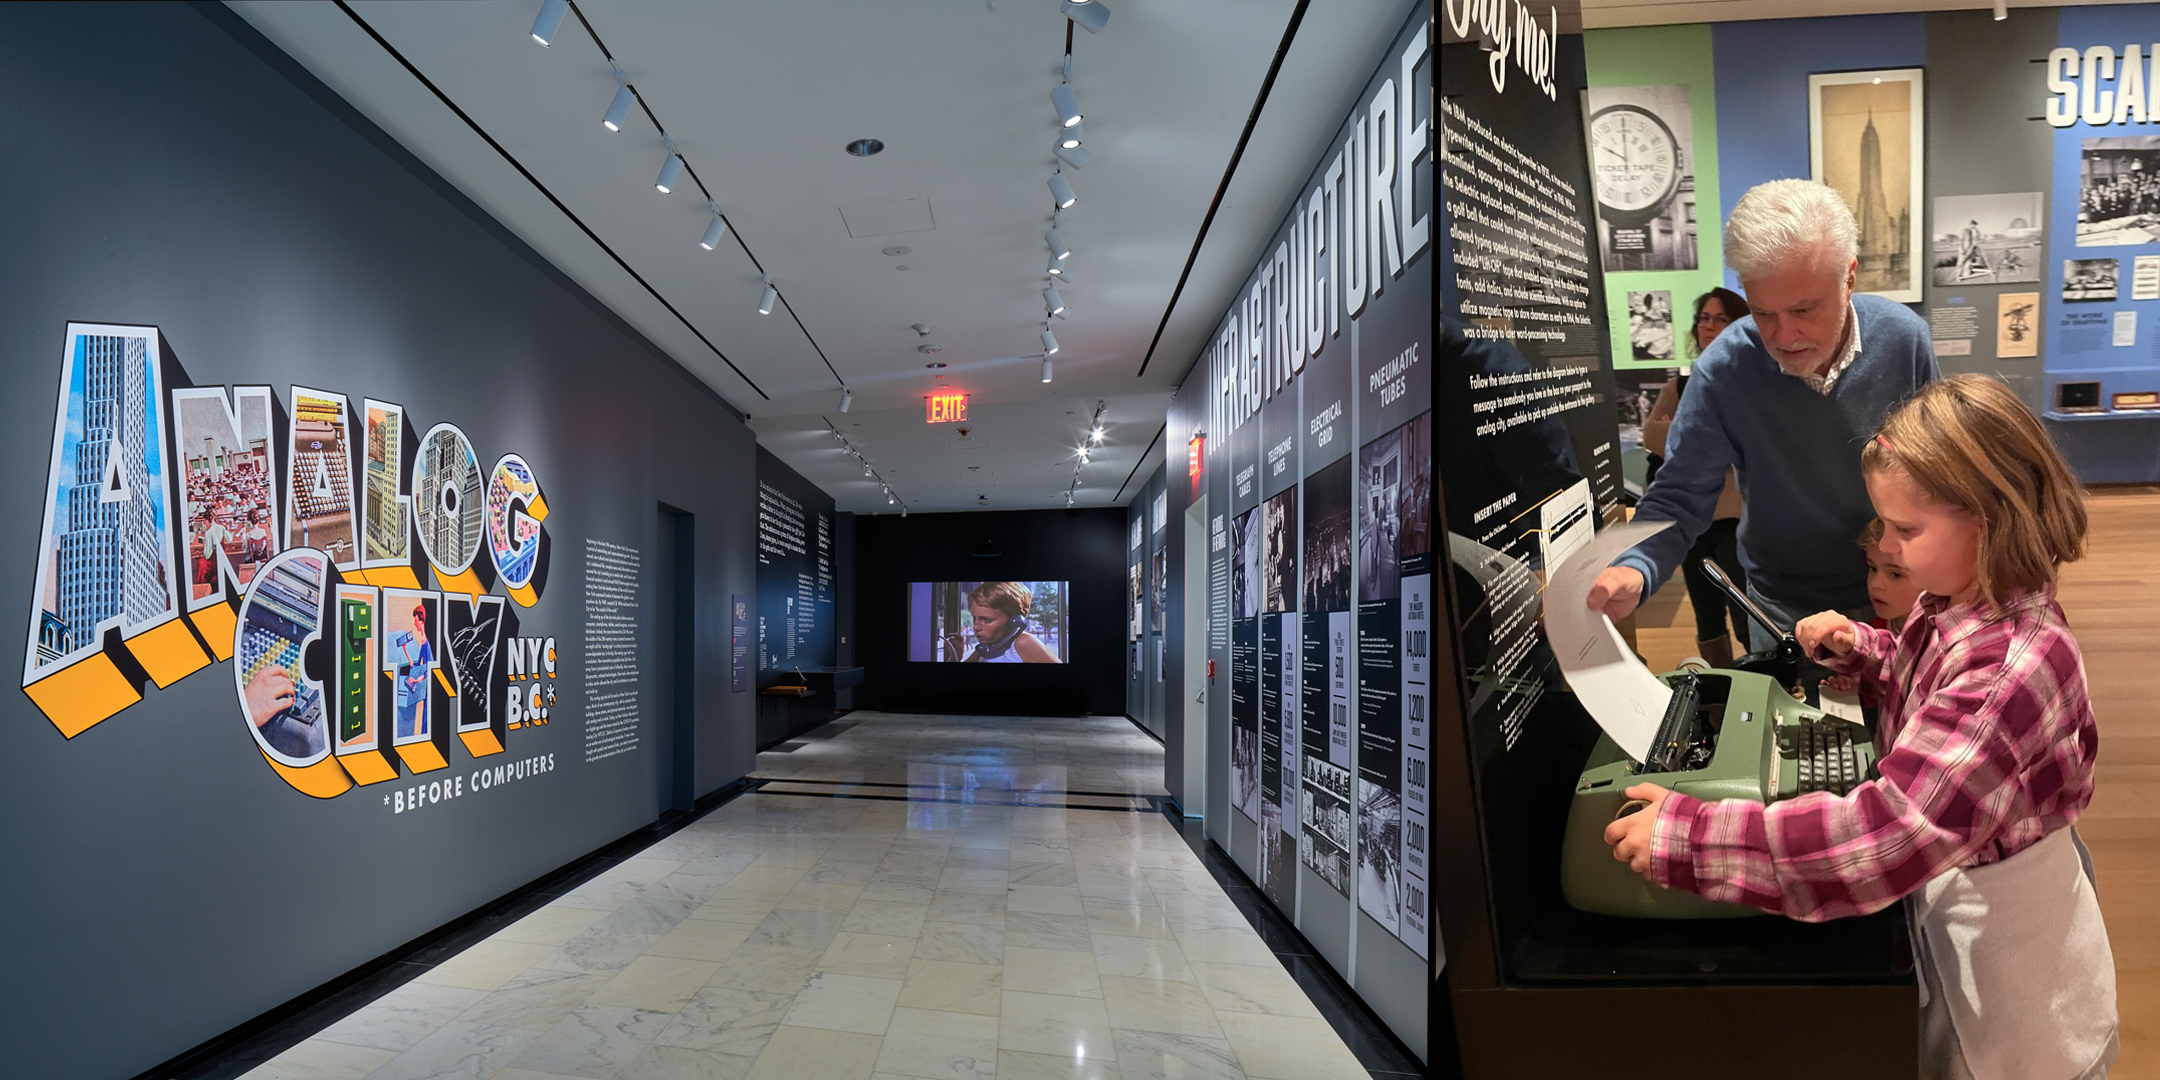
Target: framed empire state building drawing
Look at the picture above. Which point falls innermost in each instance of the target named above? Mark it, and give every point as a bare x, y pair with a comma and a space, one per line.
1865, 140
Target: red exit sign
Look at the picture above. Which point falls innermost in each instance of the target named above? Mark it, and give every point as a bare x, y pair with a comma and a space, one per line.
945, 408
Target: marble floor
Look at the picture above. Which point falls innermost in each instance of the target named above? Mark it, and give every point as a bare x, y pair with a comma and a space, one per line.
905, 898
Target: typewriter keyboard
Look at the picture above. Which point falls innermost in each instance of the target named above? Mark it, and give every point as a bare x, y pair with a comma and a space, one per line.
1826, 760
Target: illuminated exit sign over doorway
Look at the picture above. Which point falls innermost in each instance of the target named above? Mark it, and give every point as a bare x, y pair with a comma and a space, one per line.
945, 408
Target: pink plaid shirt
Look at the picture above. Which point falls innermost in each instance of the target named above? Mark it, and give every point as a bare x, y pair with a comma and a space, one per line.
1991, 747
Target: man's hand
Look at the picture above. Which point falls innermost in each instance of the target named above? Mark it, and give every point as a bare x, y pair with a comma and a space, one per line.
1827, 630
1629, 834
1617, 592
268, 693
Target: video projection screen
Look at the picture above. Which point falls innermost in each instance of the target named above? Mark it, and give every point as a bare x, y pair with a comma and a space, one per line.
987, 622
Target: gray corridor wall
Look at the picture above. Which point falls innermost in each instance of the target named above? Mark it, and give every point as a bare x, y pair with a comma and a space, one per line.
1147, 568
164, 168
1312, 404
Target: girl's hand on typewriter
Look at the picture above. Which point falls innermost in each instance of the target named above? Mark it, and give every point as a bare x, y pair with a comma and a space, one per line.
1629, 834
1824, 633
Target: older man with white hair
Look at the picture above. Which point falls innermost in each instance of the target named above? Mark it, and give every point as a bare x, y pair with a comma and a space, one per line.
1786, 397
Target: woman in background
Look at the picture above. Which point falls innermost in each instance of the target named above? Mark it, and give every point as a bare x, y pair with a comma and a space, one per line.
1720, 543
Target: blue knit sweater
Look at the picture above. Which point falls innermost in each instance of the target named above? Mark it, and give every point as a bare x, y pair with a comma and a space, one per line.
1797, 453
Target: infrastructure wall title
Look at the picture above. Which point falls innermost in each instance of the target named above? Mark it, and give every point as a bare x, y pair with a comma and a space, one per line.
1355, 231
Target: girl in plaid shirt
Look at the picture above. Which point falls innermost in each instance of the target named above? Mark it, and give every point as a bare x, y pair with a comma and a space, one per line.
1990, 743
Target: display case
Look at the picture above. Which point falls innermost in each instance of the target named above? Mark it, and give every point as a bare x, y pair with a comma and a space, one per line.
1529, 469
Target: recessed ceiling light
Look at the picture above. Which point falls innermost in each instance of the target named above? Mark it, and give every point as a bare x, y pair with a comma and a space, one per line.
898, 250
933, 349
935, 365
903, 266
865, 147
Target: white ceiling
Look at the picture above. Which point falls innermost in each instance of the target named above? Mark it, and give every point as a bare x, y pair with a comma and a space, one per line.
761, 97
1606, 13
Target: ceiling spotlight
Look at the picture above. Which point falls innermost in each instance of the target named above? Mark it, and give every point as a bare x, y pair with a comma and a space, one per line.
847, 398
550, 20
1062, 191
1083, 455
903, 511
1090, 14
1073, 156
1068, 106
1055, 302
888, 499
670, 172
618, 110
1057, 267
866, 470
1046, 362
1058, 250
765, 302
1069, 138
2002, 10
1095, 436
1049, 341
714, 231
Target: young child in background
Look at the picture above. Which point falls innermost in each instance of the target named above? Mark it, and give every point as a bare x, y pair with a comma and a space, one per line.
1987, 745
1889, 587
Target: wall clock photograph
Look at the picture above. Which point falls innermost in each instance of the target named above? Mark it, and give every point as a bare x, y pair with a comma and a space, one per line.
1642, 172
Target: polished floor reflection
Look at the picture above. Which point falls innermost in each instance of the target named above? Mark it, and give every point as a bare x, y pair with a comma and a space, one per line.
906, 898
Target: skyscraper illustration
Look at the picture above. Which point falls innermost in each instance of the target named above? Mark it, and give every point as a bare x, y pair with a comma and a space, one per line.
1882, 235
111, 557
447, 489
386, 532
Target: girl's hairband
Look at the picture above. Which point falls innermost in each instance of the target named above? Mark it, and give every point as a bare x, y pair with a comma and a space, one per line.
1885, 441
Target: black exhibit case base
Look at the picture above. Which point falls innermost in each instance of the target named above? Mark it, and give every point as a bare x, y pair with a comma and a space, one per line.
1851, 1032
1726, 991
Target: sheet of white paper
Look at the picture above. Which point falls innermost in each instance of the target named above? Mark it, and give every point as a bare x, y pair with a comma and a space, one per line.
1844, 704
1621, 694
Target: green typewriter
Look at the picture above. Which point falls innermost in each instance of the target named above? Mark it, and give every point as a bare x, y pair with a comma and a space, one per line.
1729, 733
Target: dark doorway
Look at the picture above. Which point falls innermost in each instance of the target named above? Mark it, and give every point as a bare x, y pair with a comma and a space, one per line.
674, 668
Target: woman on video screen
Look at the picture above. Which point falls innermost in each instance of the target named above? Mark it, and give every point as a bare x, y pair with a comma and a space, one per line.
998, 611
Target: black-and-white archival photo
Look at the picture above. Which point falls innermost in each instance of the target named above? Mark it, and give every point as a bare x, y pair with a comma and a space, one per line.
1327, 538
1245, 565
1158, 588
1327, 818
2090, 279
1379, 567
1642, 163
1379, 853
1988, 239
1245, 770
1279, 569
2119, 191
1650, 330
